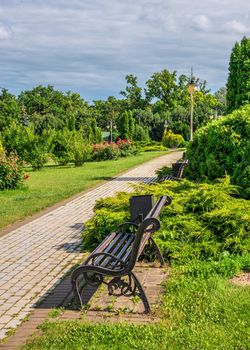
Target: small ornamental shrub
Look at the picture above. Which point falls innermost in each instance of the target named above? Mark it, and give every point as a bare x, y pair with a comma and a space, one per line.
81, 153
126, 148
105, 151
169, 139
223, 147
80, 150
11, 171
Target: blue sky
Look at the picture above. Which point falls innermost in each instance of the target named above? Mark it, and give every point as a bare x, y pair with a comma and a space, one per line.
89, 46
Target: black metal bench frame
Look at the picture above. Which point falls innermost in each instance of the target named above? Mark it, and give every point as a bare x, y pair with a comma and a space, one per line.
116, 257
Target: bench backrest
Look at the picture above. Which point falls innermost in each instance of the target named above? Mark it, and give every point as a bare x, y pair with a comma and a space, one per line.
148, 226
178, 168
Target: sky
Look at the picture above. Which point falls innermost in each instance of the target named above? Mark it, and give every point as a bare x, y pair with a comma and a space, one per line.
89, 46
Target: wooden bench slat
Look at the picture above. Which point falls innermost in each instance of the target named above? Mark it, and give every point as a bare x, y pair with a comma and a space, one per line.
117, 250
105, 243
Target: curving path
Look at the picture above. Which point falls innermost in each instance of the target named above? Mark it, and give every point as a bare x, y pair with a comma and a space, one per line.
35, 256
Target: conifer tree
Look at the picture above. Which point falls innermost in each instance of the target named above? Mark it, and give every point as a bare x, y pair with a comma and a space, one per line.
238, 84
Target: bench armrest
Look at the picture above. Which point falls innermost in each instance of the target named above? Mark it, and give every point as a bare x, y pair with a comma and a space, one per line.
112, 257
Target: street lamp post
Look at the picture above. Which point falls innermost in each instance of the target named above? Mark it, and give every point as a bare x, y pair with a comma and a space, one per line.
111, 126
165, 125
191, 90
111, 130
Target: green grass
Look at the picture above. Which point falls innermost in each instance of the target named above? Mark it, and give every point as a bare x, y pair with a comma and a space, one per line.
53, 184
198, 313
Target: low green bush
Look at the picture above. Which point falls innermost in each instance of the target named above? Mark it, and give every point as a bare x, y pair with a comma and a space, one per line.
169, 139
150, 146
204, 221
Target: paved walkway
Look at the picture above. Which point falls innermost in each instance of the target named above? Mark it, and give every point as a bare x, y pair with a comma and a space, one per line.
34, 257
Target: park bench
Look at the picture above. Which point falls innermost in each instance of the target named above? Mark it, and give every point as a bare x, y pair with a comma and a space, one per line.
113, 261
177, 171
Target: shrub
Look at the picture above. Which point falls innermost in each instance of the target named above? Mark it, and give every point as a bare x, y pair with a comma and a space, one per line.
126, 148
204, 221
141, 134
105, 151
222, 147
30, 147
62, 146
11, 171
150, 146
169, 139
80, 150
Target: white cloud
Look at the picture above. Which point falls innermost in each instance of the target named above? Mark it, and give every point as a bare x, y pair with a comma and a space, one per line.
5, 32
237, 27
201, 22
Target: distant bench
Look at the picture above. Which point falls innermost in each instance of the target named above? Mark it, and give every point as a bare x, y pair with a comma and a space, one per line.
177, 169
117, 255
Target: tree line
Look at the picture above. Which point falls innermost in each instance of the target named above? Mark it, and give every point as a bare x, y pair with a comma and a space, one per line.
44, 121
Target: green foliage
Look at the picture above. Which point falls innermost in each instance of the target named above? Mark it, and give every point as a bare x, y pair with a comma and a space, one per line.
205, 107
30, 147
11, 171
162, 86
169, 139
9, 109
62, 146
133, 93
204, 221
126, 126
80, 150
238, 84
109, 213
223, 147
152, 147
221, 96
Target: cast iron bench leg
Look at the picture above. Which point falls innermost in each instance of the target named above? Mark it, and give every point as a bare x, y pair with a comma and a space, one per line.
128, 286
141, 293
157, 251
88, 278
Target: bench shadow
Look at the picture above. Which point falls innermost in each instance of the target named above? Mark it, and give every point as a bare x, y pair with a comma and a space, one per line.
61, 295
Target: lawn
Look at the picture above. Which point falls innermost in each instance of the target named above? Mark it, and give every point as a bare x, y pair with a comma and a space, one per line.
198, 313
53, 184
